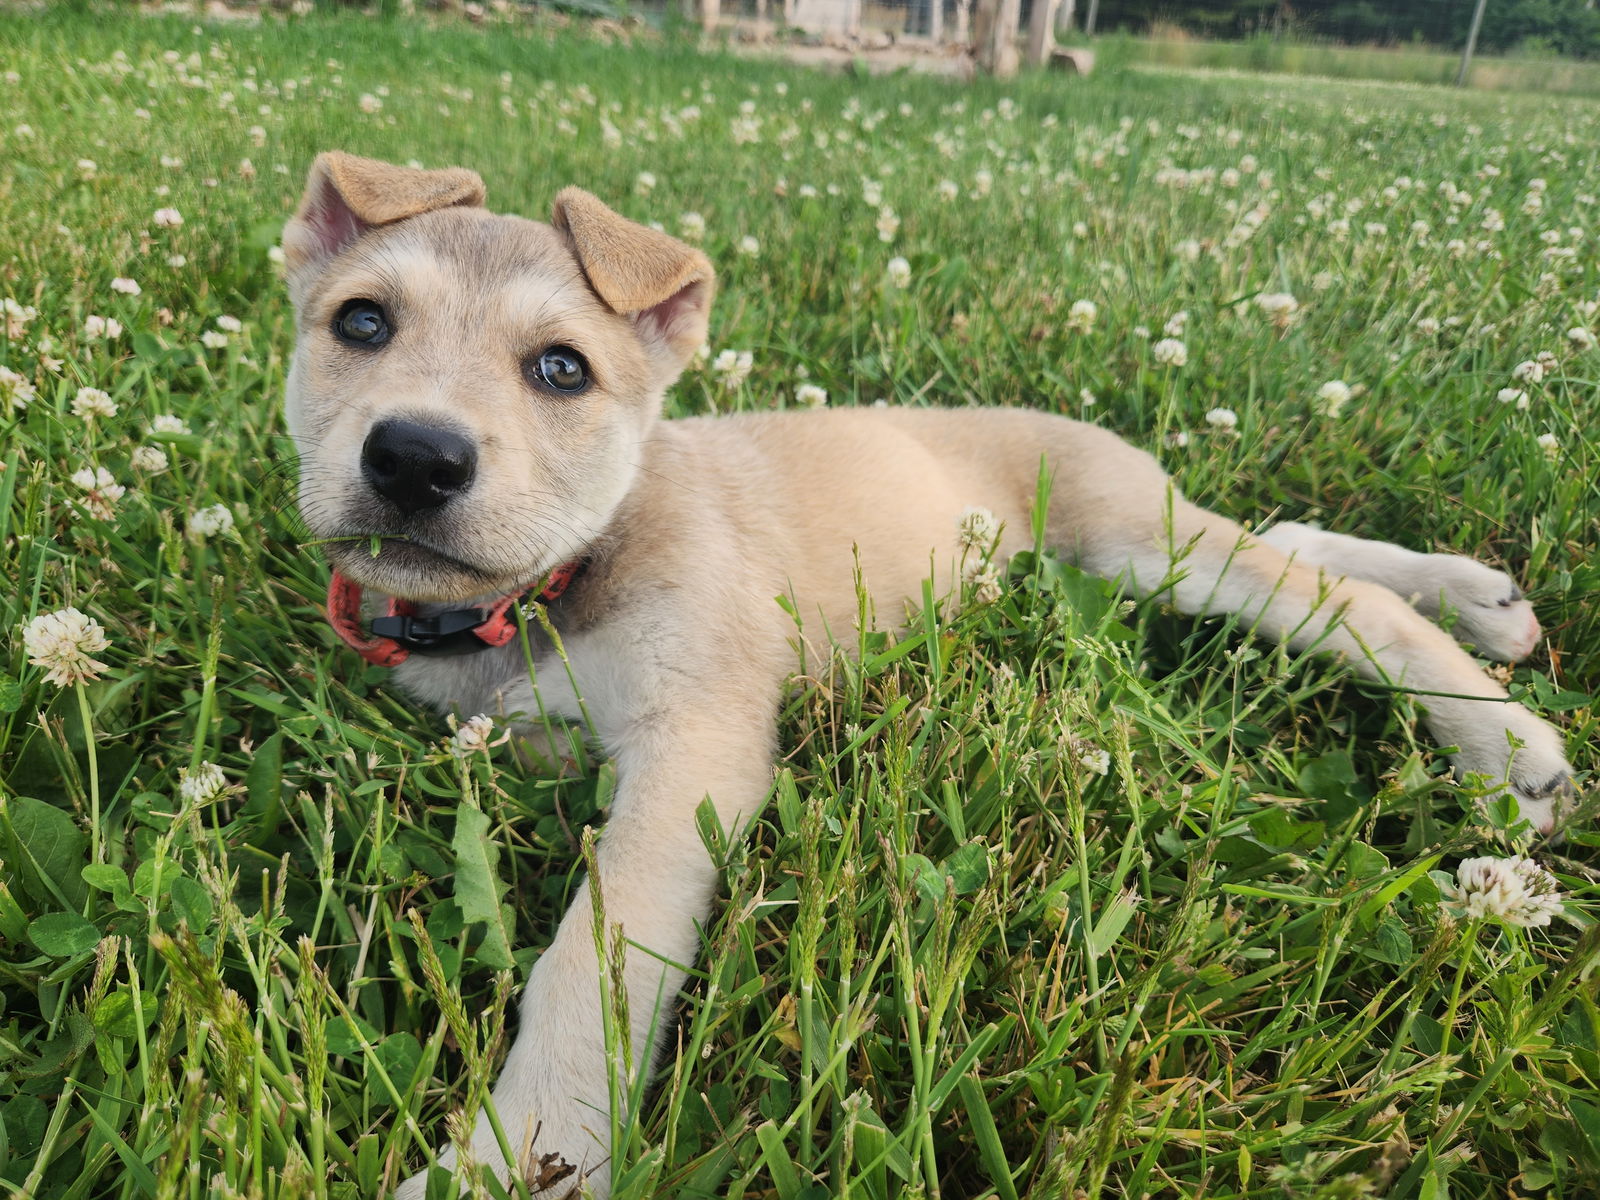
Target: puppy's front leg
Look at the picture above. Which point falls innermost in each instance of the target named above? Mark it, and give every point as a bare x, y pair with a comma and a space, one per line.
553, 1096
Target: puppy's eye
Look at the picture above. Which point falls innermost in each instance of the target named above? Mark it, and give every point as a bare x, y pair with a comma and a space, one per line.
362, 322
562, 368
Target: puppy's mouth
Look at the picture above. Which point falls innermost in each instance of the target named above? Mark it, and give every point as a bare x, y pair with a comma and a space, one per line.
408, 569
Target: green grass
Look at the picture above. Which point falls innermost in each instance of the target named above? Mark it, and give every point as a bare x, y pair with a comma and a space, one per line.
1393, 64
951, 958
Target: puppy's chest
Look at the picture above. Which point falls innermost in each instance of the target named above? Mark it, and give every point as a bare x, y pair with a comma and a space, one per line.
496, 682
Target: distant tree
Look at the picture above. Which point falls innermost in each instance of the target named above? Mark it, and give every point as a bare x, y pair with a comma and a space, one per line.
1569, 27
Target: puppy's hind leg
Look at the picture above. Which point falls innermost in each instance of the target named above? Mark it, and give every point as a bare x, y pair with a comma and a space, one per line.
1491, 614
1206, 564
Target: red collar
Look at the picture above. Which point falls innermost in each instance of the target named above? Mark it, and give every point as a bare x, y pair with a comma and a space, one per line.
400, 632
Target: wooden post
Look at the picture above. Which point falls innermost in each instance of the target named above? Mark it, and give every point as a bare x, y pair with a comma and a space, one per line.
1042, 32
1064, 14
1088, 20
994, 36
710, 13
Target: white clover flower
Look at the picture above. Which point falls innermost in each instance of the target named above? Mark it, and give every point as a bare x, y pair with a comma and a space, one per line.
810, 395
229, 324
1280, 307
1222, 418
87, 168
1427, 326
167, 423
167, 218
644, 183
473, 734
733, 365
1531, 371
177, 261
1087, 398
749, 246
128, 287
1547, 361
1512, 396
203, 784
1092, 758
1081, 316
984, 576
1581, 338
369, 103
1176, 324
1142, 332
888, 224
91, 402
276, 256
95, 327
1170, 352
64, 643
977, 528
1188, 250
15, 389
209, 522
899, 272
982, 183
948, 189
692, 226
1334, 394
1550, 444
103, 490
1514, 891
1080, 230
151, 460
213, 339
17, 316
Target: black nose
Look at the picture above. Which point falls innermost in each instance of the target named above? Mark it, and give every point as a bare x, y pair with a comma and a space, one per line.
416, 467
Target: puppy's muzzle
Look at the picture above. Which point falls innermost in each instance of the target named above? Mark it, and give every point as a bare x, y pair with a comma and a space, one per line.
417, 467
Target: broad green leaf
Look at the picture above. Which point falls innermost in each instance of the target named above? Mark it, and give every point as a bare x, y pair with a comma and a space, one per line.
63, 934
479, 887
43, 847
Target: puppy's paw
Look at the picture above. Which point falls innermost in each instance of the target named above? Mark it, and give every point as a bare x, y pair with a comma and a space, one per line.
1543, 802
549, 1174
1535, 771
1490, 611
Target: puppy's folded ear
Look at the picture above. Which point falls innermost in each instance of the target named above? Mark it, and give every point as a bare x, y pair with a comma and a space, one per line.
346, 196
663, 286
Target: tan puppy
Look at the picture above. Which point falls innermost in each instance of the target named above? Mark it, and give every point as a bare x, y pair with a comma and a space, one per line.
481, 393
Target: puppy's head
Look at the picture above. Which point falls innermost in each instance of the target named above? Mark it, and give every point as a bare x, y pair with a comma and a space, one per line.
470, 392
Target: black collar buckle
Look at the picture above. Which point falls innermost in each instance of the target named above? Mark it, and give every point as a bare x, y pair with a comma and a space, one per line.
444, 634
